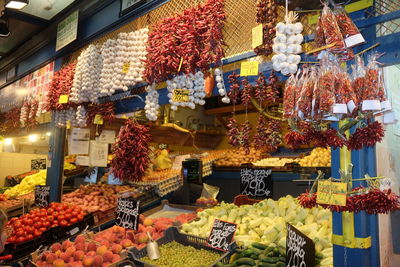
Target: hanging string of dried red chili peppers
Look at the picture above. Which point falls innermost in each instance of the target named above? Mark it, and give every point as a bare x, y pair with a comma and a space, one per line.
61, 84
106, 110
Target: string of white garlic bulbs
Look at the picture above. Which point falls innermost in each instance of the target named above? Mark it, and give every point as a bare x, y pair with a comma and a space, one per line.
106, 77
219, 77
60, 118
151, 104
80, 116
287, 45
129, 56
194, 83
23, 117
85, 87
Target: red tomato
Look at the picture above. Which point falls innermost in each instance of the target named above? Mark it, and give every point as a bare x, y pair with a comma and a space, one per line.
50, 211
60, 217
58, 208
29, 237
73, 220
55, 222
13, 220
12, 239
20, 233
29, 229
29, 222
46, 224
43, 214
80, 217
69, 210
68, 216
37, 224
43, 210
64, 206
50, 218
20, 240
17, 224
63, 223
42, 229
37, 233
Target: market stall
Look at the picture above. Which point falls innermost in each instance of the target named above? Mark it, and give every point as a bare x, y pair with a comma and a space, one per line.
181, 139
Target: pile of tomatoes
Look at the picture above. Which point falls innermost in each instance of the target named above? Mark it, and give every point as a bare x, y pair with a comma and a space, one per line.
34, 223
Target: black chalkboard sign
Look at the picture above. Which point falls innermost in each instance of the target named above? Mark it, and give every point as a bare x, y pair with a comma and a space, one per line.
38, 164
221, 235
42, 196
255, 182
127, 213
300, 250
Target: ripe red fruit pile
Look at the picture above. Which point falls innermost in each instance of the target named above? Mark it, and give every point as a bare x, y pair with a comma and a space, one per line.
81, 252
34, 223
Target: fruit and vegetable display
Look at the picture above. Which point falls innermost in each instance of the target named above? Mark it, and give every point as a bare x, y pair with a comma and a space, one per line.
27, 185
81, 252
264, 222
278, 162
91, 198
319, 157
117, 235
175, 254
261, 255
236, 157
32, 225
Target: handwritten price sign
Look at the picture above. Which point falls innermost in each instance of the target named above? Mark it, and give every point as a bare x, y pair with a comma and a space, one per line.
249, 68
181, 95
221, 235
256, 182
42, 196
331, 193
300, 250
127, 213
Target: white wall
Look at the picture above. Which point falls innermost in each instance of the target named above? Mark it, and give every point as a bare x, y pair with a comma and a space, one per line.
388, 164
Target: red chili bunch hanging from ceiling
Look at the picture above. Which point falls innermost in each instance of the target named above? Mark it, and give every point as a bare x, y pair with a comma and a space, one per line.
186, 42
61, 84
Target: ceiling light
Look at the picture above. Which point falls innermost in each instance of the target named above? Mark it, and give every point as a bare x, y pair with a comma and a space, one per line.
16, 4
33, 138
8, 141
4, 30
48, 133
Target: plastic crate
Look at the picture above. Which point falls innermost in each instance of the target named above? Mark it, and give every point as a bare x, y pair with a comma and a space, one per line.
240, 200
173, 234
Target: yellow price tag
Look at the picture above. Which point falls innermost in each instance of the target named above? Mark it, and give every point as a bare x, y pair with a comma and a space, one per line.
257, 36
63, 99
68, 124
363, 4
98, 119
125, 67
124, 117
249, 68
180, 95
331, 193
180, 64
313, 19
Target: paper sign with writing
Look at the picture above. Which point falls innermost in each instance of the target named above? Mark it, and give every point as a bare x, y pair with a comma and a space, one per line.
42, 196
257, 36
331, 193
38, 164
181, 95
256, 182
107, 137
98, 154
127, 213
221, 235
300, 250
98, 119
125, 67
67, 30
249, 68
79, 141
63, 99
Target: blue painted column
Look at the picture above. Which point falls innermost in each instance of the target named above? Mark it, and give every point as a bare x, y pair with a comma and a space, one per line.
56, 154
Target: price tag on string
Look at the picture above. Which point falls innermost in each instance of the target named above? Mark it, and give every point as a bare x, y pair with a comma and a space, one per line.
68, 124
42, 196
221, 235
257, 36
249, 68
63, 99
98, 119
313, 19
125, 67
331, 193
256, 182
127, 213
300, 250
181, 95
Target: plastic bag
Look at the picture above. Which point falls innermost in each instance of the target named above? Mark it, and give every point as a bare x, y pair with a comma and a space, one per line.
305, 98
349, 30
289, 96
358, 78
326, 88
333, 35
344, 92
208, 195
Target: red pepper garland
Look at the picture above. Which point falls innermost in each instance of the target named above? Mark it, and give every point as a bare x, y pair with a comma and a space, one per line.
234, 87
267, 15
245, 140
106, 110
233, 132
246, 92
12, 119
131, 152
261, 133
61, 84
367, 136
